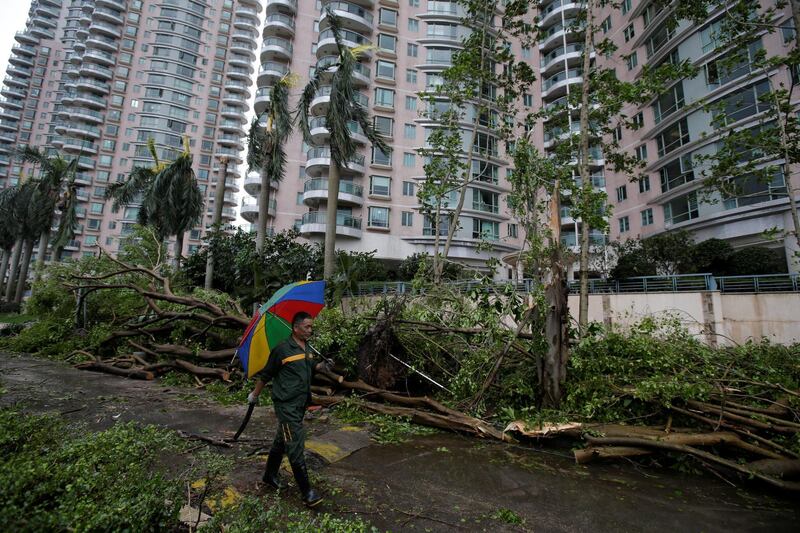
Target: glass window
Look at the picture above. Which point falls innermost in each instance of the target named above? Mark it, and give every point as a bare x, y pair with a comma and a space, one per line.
622, 193
387, 17
410, 131
409, 159
384, 97
411, 76
379, 185
647, 217
408, 188
383, 125
644, 184
624, 224
413, 25
387, 42
379, 157
385, 69
412, 50
379, 217
407, 218
411, 103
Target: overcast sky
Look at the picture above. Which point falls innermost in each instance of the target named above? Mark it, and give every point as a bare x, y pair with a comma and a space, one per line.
12, 19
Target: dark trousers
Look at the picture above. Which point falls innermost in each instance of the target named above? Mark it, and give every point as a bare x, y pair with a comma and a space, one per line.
291, 436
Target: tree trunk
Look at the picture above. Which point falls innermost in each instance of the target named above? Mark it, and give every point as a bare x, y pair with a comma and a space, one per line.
263, 211
583, 166
14, 269
23, 270
6, 259
219, 199
44, 240
178, 249
330, 221
554, 367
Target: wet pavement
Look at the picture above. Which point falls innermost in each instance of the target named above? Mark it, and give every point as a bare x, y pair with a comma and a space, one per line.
442, 482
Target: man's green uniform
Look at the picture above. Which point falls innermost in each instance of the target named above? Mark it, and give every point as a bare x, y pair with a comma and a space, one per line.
290, 368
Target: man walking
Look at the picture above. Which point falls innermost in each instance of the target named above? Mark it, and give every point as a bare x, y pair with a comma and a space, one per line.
290, 367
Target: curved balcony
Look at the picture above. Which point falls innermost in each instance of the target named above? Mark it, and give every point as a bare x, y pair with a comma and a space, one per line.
24, 50
235, 113
84, 114
445, 11
351, 17
262, 99
88, 69
114, 4
361, 72
13, 92
555, 36
79, 46
556, 86
271, 72
89, 100
257, 4
81, 129
346, 225
551, 13
249, 210
8, 114
231, 154
244, 48
7, 137
22, 72
9, 125
104, 29
319, 162
232, 126
282, 6
554, 60
245, 23
279, 25
237, 86
100, 57
86, 163
21, 61
241, 61
44, 21
319, 105
230, 141
326, 45
93, 85
276, 48
47, 11
24, 37
12, 103
315, 192
70, 144
230, 183
234, 99
320, 133
21, 83
42, 33
252, 184
102, 42
246, 35
110, 15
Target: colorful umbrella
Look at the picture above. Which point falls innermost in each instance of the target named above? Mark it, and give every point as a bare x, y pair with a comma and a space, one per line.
272, 323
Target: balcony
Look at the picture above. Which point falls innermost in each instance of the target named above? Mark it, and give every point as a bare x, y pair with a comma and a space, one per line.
232, 126
237, 86
326, 45
24, 50
450, 11
99, 56
553, 11
262, 99
105, 29
16, 81
234, 99
556, 86
12, 103
86, 163
84, 114
245, 11
271, 72
93, 85
351, 17
88, 69
346, 225
320, 133
114, 4
241, 61
319, 105
9, 114
246, 35
234, 113
24, 37
13, 92
42, 33
569, 30
279, 25
315, 192
102, 42
572, 55
244, 48
282, 6
23, 72
80, 129
361, 72
76, 145
276, 48
8, 137
89, 100
319, 161
109, 15
21, 61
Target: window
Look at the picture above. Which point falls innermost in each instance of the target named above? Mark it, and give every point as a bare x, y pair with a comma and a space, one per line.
673, 138
410, 131
90, 240
383, 125
379, 217
412, 50
512, 231
411, 76
384, 97
681, 209
755, 188
409, 159
629, 33
606, 24
379, 185
379, 157
641, 152
638, 120
413, 25
618, 133
413, 3
676, 173
411, 103
387, 17
526, 52
105, 160
622, 193
669, 102
626, 6
644, 184
385, 70
659, 38
485, 229
387, 43
408, 188
624, 224
741, 104
632, 60
407, 218
93, 224
647, 217
527, 99
96, 208
299, 199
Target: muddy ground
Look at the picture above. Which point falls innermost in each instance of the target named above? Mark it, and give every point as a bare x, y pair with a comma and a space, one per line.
442, 482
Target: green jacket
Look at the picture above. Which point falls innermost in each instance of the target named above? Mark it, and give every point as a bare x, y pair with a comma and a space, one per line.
290, 368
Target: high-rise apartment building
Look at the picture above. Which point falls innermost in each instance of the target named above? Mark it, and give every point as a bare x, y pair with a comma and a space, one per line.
675, 132
412, 42
96, 79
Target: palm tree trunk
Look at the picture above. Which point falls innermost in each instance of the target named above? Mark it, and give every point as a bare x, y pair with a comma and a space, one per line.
4, 265
263, 211
40, 255
219, 199
178, 249
23, 270
330, 226
14, 267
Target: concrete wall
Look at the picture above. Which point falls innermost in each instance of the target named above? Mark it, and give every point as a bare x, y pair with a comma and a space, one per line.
721, 319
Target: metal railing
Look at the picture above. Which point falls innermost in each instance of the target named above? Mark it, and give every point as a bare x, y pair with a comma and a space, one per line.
646, 284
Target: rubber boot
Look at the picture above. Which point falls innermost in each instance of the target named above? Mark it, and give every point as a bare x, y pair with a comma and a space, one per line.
310, 497
271, 477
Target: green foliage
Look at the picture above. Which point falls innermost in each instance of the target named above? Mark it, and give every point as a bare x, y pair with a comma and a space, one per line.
56, 478
386, 429
420, 265
13, 318
508, 516
254, 514
756, 260
337, 336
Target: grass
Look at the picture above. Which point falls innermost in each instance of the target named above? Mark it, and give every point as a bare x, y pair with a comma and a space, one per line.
14, 318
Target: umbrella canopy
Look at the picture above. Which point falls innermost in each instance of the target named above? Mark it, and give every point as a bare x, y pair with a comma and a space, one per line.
272, 323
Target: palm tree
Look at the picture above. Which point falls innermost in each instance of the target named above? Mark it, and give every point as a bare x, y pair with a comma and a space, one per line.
171, 201
265, 151
342, 110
